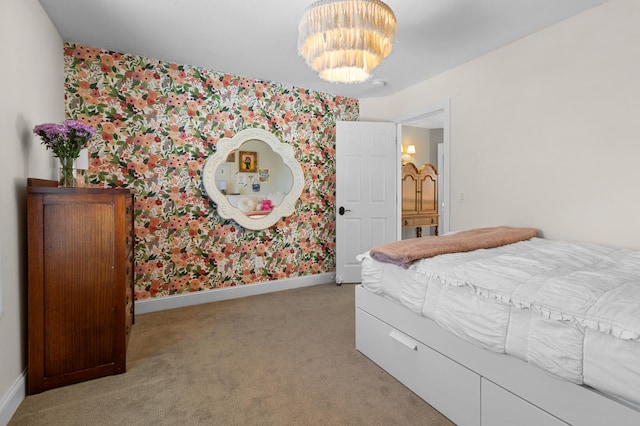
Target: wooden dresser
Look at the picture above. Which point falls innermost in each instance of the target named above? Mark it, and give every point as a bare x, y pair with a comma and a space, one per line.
419, 197
80, 283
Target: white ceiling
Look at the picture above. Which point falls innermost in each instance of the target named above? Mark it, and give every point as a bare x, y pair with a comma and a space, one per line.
258, 38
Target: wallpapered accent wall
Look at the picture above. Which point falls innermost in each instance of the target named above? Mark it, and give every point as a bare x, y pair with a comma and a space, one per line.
158, 122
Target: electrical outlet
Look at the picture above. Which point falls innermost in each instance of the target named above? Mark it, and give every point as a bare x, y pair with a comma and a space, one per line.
258, 262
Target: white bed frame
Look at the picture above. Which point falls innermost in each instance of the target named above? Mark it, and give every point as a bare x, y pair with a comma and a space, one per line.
470, 385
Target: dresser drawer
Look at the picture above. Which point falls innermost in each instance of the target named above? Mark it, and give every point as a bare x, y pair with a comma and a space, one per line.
457, 395
415, 221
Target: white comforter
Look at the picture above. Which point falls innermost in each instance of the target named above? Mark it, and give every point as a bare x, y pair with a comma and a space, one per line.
572, 309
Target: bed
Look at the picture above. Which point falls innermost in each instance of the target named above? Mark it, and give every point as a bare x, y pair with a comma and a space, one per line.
525, 331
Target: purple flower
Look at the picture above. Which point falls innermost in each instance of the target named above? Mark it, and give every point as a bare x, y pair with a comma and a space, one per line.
51, 131
80, 128
65, 140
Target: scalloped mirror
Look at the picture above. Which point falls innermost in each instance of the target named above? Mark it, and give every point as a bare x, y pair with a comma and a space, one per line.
253, 178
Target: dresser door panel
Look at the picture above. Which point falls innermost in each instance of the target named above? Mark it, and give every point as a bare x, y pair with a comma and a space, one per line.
78, 301
428, 191
409, 190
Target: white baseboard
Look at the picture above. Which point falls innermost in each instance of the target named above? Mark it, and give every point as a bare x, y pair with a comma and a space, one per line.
12, 399
188, 299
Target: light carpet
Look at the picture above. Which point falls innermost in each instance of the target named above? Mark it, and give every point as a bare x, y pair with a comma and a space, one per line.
284, 358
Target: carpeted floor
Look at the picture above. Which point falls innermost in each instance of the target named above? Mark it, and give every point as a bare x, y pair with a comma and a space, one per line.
285, 358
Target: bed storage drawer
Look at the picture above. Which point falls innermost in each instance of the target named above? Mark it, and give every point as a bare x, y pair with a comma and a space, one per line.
502, 408
457, 393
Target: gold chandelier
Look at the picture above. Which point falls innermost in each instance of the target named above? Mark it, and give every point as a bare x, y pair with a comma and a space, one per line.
344, 40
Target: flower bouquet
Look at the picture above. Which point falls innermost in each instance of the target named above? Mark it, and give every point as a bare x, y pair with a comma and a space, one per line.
65, 140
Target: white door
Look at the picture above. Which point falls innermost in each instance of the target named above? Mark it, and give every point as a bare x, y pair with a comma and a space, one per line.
366, 179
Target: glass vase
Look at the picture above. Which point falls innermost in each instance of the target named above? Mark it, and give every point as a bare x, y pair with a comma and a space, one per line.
67, 172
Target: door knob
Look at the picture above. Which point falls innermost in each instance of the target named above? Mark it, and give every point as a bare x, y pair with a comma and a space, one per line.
342, 210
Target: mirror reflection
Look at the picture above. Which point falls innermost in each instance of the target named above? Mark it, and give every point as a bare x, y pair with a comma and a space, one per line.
253, 178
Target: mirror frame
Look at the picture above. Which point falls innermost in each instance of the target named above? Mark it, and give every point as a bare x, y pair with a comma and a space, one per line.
225, 209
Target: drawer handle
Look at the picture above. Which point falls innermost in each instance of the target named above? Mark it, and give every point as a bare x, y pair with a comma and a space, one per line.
401, 338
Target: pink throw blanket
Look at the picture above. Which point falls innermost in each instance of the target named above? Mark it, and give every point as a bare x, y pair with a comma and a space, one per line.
405, 252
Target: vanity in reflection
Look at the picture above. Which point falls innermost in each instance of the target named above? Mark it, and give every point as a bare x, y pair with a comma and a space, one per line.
253, 178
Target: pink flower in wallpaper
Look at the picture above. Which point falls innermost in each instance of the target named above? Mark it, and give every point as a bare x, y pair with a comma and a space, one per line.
158, 122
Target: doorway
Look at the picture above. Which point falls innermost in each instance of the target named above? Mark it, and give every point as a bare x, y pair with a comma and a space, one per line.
436, 116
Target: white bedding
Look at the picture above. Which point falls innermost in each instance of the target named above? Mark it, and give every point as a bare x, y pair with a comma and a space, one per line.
572, 309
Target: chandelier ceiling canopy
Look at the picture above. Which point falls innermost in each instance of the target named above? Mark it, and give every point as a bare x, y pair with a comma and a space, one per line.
344, 40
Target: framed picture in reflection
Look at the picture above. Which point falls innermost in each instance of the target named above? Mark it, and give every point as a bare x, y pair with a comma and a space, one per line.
248, 161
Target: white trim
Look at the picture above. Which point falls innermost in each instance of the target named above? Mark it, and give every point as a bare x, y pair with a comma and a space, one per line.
399, 181
188, 299
12, 399
1, 287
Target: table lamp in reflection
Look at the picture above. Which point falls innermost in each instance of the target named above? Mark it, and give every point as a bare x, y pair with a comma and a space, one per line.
222, 186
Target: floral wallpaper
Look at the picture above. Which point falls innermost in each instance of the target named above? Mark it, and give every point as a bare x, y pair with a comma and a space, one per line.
158, 122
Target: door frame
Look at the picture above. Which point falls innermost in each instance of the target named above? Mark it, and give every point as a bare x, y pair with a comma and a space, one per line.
444, 176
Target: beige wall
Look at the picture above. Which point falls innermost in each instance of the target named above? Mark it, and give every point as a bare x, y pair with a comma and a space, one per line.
32, 83
543, 131
419, 137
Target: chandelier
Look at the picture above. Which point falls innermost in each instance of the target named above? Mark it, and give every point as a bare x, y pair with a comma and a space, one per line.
344, 40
